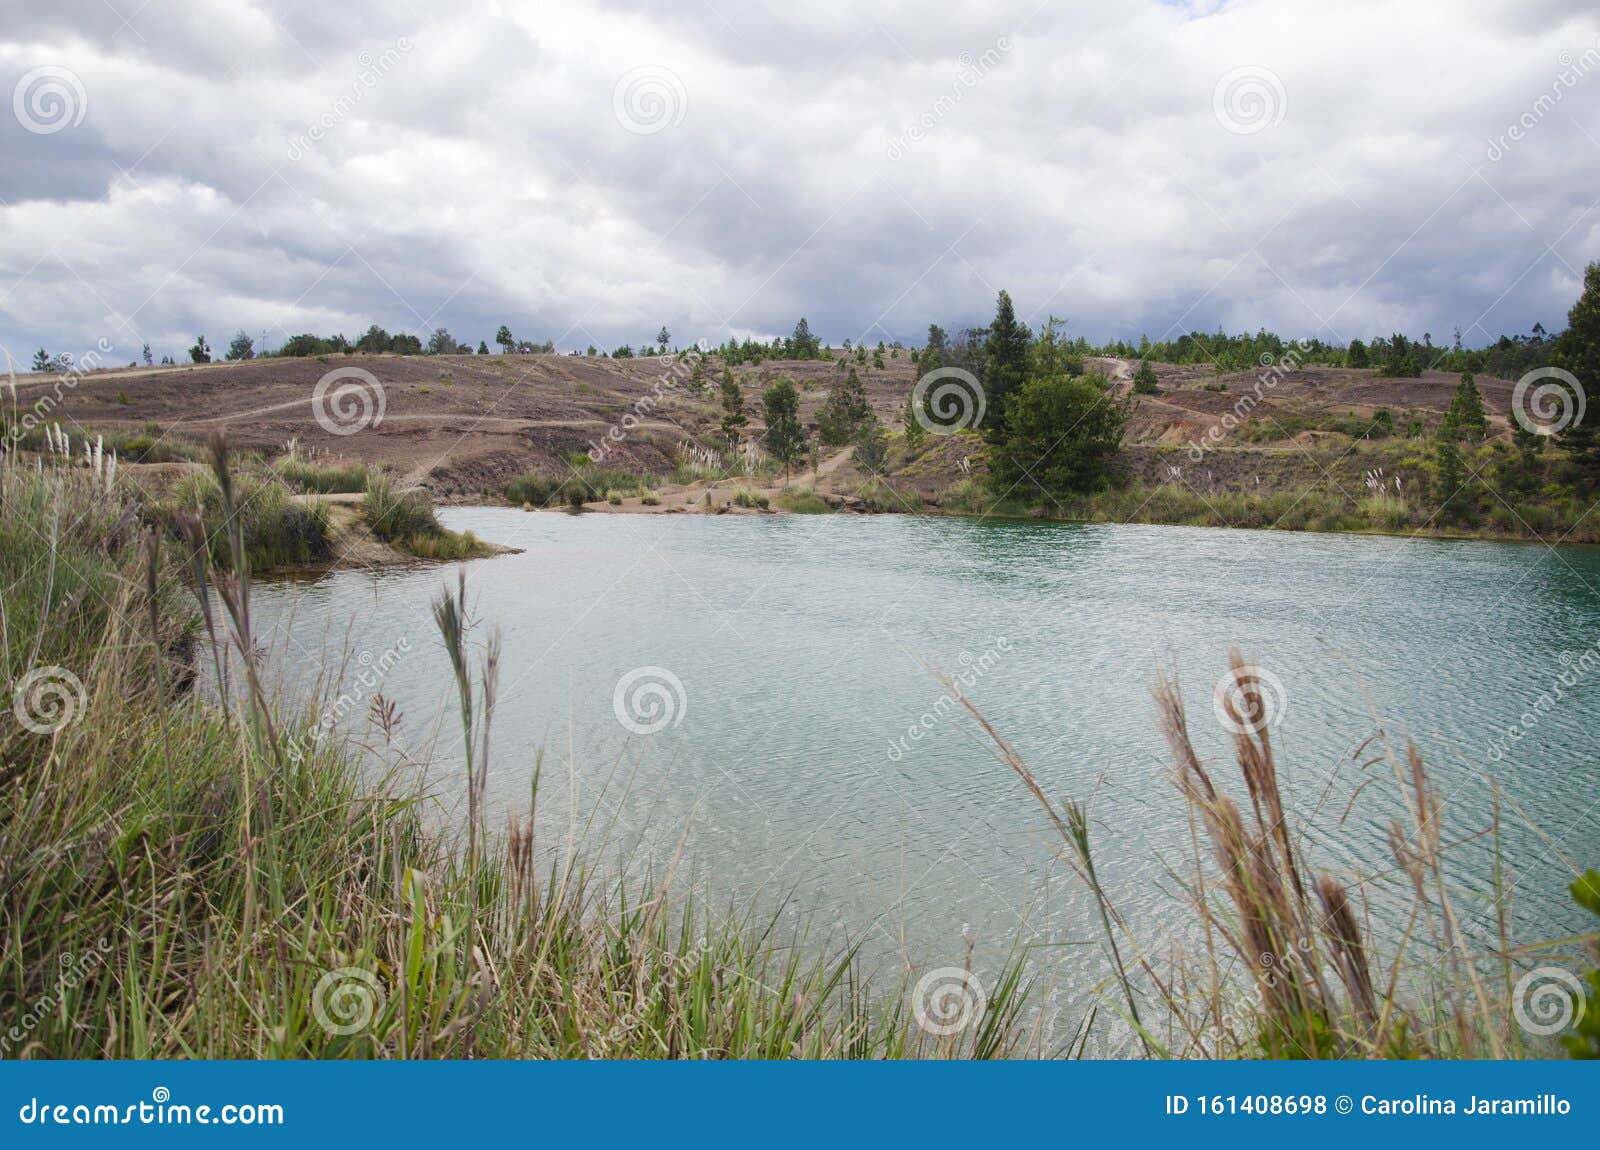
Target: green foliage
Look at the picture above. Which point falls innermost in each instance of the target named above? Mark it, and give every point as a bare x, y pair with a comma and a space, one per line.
1466, 418
733, 416
871, 446
406, 520
744, 497
587, 483
278, 530
1144, 380
304, 476
785, 438
1060, 436
1578, 351
1006, 349
242, 347
201, 351
803, 501
845, 410
1356, 356
1584, 1041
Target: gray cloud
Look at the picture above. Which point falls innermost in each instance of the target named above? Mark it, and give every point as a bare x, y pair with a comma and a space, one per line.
319, 167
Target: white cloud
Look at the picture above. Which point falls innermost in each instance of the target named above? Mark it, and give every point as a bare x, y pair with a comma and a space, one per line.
480, 174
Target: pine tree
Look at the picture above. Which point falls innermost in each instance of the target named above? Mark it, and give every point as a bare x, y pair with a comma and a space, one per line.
1578, 351
912, 425
1357, 355
1144, 380
844, 412
785, 438
1466, 418
733, 417
871, 446
1007, 350
505, 339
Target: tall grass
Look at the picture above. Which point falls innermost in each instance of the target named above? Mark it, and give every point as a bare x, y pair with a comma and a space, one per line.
278, 529
222, 884
322, 479
406, 520
1320, 982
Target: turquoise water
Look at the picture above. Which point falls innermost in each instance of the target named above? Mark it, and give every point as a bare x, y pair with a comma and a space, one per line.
790, 658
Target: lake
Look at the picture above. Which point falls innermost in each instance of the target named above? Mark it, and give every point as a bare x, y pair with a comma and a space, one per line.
764, 692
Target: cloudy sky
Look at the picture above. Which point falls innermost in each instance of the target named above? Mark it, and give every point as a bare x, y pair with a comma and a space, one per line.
586, 172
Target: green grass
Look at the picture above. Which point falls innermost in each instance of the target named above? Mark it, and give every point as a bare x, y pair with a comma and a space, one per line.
744, 497
803, 501
217, 881
279, 530
405, 519
592, 484
301, 475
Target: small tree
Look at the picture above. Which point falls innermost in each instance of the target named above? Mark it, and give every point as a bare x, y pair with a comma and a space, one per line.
241, 347
871, 446
785, 438
663, 338
1357, 356
844, 412
1144, 380
1466, 418
803, 344
1578, 351
911, 424
1006, 347
483, 347
1449, 476
149, 360
1060, 433
733, 417
42, 362
201, 351
441, 342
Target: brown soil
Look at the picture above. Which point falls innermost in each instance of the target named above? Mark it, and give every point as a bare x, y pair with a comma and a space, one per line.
463, 426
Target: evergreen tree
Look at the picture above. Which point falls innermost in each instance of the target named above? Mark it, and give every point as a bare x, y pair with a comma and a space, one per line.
871, 446
1144, 380
505, 339
912, 425
937, 339
804, 345
1449, 476
733, 417
785, 438
1466, 418
1061, 433
844, 412
1578, 351
1357, 355
483, 347
1006, 348
663, 337
149, 360
42, 362
201, 351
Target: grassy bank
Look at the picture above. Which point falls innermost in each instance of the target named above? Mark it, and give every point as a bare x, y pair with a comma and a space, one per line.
220, 883
181, 877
